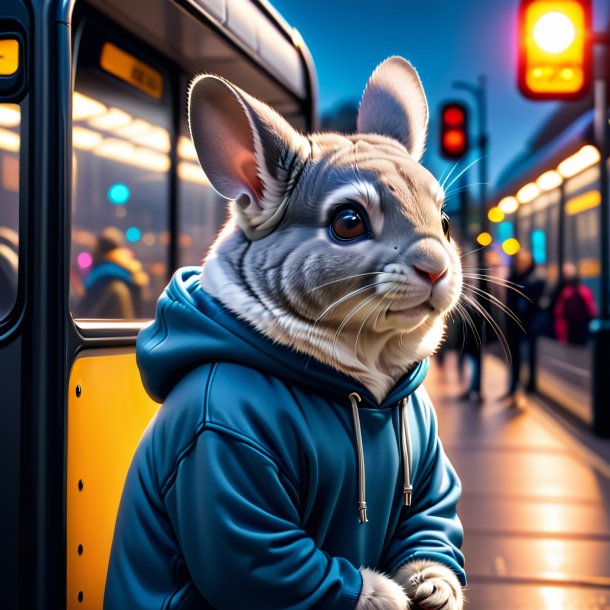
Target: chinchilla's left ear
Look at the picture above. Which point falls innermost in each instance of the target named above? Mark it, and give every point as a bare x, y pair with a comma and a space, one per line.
249, 153
394, 105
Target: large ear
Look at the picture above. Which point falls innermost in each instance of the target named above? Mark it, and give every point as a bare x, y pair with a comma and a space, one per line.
394, 105
249, 153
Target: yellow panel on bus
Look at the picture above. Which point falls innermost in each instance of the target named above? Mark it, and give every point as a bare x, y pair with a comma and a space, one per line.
108, 410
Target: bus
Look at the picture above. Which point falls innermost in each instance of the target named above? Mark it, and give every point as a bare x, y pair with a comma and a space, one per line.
101, 199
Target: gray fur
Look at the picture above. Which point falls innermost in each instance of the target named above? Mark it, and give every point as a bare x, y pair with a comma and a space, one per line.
284, 278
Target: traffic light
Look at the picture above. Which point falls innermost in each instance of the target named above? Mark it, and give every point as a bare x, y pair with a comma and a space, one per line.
454, 130
554, 48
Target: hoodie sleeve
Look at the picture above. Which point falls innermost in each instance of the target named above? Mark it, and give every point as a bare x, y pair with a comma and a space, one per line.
430, 529
237, 521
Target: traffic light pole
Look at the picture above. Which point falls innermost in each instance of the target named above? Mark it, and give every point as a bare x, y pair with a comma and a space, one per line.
600, 328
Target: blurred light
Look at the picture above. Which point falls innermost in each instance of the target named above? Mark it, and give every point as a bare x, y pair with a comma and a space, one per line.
133, 234
10, 115
454, 141
122, 151
157, 138
495, 215
192, 173
9, 140
297, 39
538, 238
186, 149
112, 119
454, 116
549, 180
509, 205
85, 139
511, 246
133, 129
582, 203
454, 130
528, 193
504, 231
84, 260
149, 239
554, 32
119, 194
484, 239
84, 107
120, 211
588, 155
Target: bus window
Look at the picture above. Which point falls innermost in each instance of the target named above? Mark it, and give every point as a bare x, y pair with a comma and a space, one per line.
121, 186
10, 120
201, 211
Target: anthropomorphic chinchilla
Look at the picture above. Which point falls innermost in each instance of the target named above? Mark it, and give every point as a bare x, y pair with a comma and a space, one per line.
295, 462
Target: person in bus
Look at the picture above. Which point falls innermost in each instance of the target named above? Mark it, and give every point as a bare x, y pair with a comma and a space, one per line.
115, 285
574, 309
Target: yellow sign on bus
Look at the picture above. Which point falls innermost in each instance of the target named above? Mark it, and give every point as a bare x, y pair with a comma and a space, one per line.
130, 69
9, 56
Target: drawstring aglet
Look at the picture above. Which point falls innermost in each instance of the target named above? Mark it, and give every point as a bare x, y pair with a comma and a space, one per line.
407, 491
362, 510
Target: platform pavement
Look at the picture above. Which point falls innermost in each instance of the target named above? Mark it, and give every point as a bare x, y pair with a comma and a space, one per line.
535, 503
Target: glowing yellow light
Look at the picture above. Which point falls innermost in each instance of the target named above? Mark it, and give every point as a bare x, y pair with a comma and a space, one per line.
509, 205
511, 246
554, 32
9, 140
186, 149
582, 203
588, 155
10, 115
122, 151
137, 128
549, 180
85, 139
484, 239
528, 193
84, 107
192, 173
297, 39
111, 120
157, 138
495, 215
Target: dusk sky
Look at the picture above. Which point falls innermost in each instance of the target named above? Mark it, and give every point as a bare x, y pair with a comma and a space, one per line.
446, 40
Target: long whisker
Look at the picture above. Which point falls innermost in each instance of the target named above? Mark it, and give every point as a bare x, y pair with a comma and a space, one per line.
498, 282
344, 298
449, 175
494, 301
472, 251
343, 279
366, 318
463, 172
467, 319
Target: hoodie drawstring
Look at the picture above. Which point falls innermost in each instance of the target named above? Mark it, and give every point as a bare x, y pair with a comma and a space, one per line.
405, 445
355, 399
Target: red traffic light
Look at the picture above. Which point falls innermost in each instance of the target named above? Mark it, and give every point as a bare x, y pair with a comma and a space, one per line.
454, 130
554, 48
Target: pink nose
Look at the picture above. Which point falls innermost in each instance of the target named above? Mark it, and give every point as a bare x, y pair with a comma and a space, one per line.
434, 276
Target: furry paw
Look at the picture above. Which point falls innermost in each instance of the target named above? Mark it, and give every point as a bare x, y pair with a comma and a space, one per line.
379, 592
430, 585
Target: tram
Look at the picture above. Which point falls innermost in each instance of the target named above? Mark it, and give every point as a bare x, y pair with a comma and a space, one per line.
98, 181
550, 201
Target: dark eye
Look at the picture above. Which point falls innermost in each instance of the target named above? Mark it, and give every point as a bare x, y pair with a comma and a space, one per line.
445, 222
348, 223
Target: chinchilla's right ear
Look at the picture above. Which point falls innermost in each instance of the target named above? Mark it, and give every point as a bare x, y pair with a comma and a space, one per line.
249, 153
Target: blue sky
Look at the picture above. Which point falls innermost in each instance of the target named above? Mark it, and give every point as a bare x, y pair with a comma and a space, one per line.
446, 40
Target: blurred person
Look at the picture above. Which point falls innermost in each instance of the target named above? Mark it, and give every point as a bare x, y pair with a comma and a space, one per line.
574, 309
524, 303
471, 351
115, 285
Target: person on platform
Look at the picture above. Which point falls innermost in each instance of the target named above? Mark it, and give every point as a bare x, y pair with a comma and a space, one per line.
574, 309
524, 303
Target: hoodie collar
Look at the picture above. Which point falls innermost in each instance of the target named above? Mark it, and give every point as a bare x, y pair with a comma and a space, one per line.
192, 328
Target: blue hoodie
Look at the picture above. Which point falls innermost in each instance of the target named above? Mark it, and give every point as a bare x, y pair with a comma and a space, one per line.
244, 491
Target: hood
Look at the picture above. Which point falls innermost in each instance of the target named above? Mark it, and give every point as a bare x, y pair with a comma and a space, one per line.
191, 329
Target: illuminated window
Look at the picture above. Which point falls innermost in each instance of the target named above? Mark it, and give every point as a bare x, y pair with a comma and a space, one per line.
121, 188
10, 119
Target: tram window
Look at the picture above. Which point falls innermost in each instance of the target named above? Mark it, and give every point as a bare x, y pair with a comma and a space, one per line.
121, 186
202, 211
10, 121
